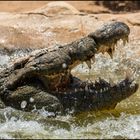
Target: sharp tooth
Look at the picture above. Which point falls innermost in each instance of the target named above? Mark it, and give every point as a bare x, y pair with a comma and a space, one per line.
124, 42
88, 81
82, 64
95, 49
88, 62
106, 88
96, 91
110, 53
117, 43
133, 84
129, 74
90, 90
81, 89
124, 84
127, 39
102, 81
93, 59
96, 82
86, 88
113, 47
75, 90
111, 82
103, 52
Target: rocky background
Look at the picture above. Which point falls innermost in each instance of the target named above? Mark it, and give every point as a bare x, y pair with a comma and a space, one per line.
42, 22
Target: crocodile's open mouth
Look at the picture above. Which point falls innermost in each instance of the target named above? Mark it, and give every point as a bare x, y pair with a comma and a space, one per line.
99, 94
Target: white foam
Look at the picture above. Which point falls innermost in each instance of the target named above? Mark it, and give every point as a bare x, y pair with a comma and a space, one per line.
11, 128
4, 59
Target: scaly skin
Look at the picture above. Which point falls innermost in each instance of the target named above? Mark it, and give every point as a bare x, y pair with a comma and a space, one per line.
50, 71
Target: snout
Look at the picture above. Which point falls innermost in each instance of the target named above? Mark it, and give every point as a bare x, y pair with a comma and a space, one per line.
124, 89
111, 33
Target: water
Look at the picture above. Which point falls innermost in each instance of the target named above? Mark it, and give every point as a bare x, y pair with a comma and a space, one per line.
122, 122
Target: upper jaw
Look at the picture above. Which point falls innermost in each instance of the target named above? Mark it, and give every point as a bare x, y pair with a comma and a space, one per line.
108, 47
100, 41
107, 37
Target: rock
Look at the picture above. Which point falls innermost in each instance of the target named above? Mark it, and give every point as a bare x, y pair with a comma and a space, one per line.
56, 8
12, 38
134, 20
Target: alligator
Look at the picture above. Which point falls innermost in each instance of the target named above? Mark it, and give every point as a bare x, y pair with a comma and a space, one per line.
43, 78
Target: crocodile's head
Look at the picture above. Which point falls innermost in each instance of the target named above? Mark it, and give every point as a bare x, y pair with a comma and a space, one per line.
102, 94
106, 38
53, 70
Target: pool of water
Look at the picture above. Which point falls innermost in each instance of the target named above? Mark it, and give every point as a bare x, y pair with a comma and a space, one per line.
122, 122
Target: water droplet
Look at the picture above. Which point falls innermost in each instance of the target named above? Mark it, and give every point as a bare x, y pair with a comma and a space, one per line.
23, 104
31, 100
64, 65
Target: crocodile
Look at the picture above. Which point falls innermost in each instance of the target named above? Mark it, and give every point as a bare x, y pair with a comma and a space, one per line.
43, 78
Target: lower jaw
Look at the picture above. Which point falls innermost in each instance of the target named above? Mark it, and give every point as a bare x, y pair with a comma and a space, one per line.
79, 97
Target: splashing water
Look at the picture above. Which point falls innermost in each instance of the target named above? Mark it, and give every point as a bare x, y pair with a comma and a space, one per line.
122, 122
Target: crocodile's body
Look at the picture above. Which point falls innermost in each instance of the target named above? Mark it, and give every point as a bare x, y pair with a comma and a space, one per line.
45, 76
